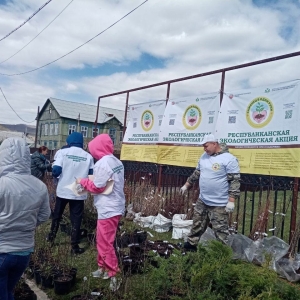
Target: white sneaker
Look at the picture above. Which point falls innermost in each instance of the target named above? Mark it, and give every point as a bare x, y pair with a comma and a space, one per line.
115, 283
100, 273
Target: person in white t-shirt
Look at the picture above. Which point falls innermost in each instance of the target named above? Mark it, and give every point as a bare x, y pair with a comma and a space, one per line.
218, 173
110, 207
71, 162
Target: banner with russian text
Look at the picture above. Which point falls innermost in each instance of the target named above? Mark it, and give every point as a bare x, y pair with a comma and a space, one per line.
185, 122
141, 136
261, 126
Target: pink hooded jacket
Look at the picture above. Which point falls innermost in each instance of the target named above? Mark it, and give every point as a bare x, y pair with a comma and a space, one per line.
100, 146
107, 167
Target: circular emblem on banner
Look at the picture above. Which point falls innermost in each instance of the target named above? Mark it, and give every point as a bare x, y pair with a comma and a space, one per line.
147, 120
259, 112
192, 117
215, 166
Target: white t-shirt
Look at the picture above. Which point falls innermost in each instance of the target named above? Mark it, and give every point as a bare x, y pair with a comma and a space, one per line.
213, 181
113, 204
75, 163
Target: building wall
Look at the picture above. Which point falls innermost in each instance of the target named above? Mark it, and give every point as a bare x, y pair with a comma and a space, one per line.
54, 130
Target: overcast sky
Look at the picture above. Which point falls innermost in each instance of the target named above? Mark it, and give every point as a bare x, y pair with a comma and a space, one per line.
162, 40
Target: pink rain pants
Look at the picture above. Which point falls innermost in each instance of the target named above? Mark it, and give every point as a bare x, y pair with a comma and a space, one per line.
106, 233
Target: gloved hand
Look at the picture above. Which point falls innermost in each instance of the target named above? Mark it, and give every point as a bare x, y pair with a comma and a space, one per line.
229, 207
183, 189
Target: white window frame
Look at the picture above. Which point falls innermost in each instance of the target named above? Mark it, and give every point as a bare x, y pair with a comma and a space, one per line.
95, 130
56, 126
84, 130
51, 127
72, 128
46, 129
112, 136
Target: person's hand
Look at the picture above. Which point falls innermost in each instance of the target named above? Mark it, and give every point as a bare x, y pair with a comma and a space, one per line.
229, 207
78, 180
183, 189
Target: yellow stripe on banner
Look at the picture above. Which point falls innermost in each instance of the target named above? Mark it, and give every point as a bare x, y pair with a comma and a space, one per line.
277, 162
146, 153
184, 156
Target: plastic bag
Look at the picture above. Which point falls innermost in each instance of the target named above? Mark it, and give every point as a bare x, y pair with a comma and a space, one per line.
181, 226
242, 246
161, 224
143, 221
207, 236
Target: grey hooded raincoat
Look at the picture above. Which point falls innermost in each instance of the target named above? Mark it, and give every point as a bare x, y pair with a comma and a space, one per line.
24, 200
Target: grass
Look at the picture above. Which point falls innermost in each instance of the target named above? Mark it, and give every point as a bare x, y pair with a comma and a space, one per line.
208, 274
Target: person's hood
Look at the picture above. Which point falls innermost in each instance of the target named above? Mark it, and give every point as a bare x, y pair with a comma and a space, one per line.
39, 155
101, 145
14, 157
75, 139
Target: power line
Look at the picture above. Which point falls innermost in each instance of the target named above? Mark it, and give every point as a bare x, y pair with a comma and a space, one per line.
13, 109
26, 20
16, 74
37, 34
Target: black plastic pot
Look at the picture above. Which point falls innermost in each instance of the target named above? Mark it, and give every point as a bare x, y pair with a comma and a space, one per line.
47, 281
63, 284
37, 276
73, 273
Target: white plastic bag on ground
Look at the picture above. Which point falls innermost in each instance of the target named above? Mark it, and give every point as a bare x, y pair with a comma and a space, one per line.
130, 214
161, 224
143, 221
208, 235
181, 226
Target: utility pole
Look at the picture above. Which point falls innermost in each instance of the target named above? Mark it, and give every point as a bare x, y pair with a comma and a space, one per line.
37, 126
78, 123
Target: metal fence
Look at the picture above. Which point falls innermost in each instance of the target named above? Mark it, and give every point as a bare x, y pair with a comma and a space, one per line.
255, 190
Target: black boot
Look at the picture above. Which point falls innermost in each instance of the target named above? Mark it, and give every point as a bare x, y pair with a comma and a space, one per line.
50, 238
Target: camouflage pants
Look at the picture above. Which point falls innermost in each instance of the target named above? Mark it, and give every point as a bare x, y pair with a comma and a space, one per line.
203, 214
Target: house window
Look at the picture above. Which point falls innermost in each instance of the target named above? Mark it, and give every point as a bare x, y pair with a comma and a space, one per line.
50, 145
42, 130
84, 131
56, 129
46, 129
121, 136
45, 143
95, 131
55, 144
112, 134
51, 129
72, 128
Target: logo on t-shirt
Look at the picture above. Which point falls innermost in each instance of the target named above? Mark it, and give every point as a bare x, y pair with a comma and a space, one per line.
215, 166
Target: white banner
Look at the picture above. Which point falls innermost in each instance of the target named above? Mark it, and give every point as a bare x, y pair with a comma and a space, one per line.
262, 117
144, 122
187, 120
261, 126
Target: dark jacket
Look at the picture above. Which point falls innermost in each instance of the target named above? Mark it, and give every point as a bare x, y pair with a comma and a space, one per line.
39, 165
